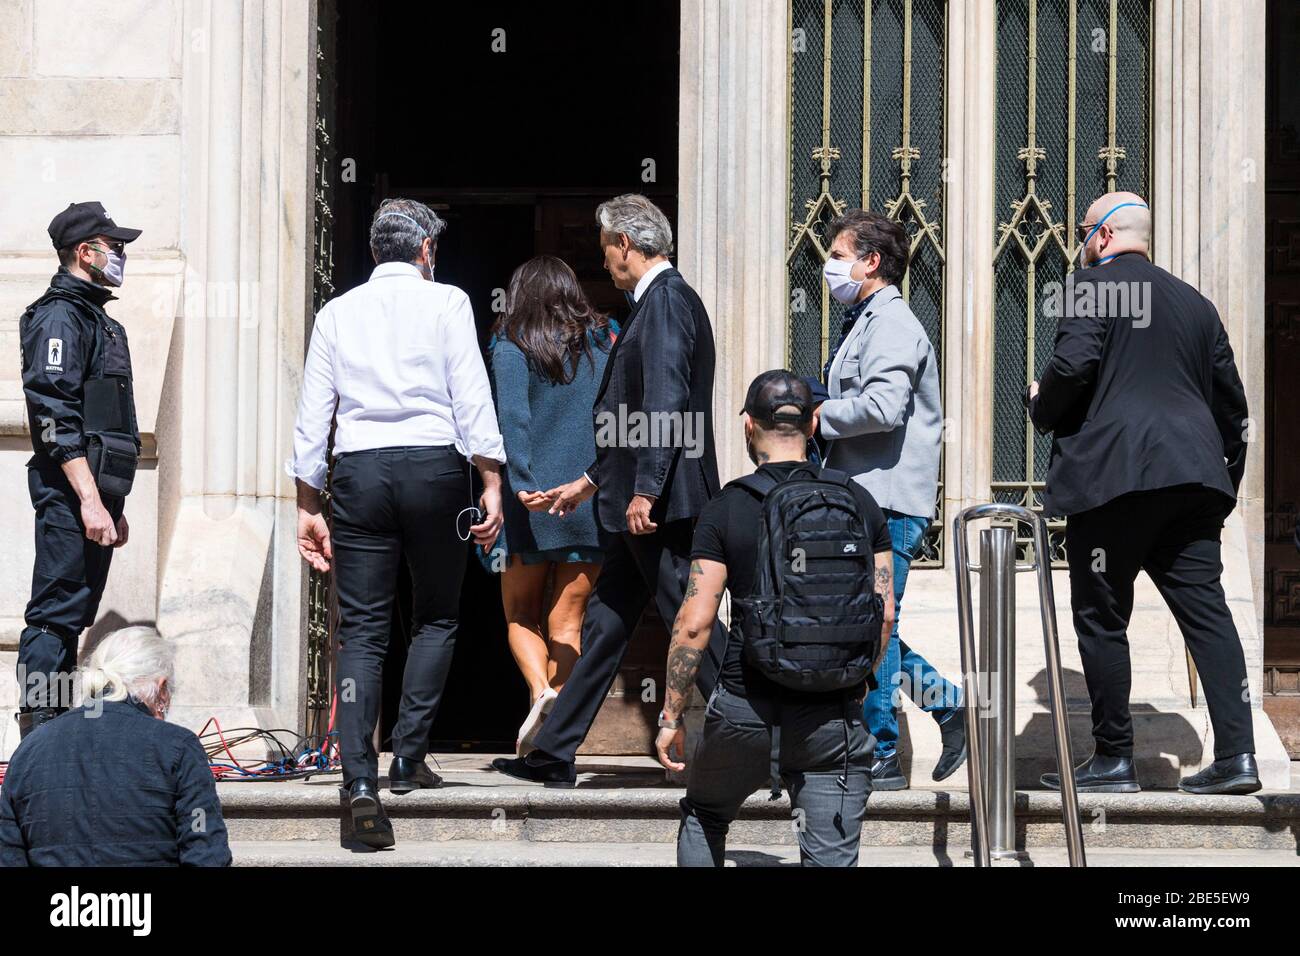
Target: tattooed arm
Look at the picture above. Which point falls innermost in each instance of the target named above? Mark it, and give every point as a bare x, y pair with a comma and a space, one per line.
884, 578
691, 631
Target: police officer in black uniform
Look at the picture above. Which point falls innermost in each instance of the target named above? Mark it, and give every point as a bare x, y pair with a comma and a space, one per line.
86, 444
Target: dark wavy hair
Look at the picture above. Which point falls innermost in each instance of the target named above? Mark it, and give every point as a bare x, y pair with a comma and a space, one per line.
873, 232
549, 318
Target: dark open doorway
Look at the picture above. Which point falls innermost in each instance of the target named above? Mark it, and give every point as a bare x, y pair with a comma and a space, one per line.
1281, 367
513, 120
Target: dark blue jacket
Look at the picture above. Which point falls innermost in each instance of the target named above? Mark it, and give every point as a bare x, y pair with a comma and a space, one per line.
548, 433
116, 787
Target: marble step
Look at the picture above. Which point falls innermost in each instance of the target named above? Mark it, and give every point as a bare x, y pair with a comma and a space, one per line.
297, 853
628, 803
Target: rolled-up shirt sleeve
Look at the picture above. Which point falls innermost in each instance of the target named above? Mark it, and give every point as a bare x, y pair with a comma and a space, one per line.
467, 382
315, 406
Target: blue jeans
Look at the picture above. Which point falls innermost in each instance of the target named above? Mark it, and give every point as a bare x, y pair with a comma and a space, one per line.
902, 670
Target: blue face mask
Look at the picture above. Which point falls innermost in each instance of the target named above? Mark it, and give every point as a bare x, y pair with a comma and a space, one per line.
1093, 232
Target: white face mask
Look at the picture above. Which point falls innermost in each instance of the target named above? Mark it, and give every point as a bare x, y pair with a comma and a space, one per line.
426, 265
114, 270
844, 288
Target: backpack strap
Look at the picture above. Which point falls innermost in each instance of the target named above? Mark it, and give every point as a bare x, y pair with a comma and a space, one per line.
756, 484
759, 484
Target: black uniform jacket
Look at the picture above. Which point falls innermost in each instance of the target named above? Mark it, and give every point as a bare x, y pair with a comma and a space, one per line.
59, 335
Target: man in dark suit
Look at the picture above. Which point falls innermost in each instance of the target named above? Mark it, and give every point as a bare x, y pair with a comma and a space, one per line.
655, 469
1148, 417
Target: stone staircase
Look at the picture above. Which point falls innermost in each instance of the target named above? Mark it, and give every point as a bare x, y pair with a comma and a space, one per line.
623, 813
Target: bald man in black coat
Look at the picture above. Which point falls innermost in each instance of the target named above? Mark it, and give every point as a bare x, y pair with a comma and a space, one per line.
1148, 417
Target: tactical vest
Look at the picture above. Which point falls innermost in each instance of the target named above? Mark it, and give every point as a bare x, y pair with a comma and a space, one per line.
110, 427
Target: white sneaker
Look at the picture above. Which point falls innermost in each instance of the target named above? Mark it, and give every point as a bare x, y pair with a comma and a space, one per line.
533, 722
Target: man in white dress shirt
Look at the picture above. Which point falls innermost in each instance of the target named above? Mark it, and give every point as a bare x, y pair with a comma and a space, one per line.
396, 364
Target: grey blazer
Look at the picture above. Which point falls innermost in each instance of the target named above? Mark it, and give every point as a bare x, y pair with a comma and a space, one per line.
884, 419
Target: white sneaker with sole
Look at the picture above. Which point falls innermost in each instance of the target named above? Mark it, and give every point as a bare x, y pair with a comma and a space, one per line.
533, 722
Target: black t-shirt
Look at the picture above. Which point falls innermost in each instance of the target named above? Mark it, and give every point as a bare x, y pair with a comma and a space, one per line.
728, 532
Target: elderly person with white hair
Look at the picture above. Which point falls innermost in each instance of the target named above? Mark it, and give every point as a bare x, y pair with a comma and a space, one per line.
111, 783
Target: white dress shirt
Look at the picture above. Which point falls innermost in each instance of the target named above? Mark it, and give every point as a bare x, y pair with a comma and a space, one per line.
400, 356
645, 280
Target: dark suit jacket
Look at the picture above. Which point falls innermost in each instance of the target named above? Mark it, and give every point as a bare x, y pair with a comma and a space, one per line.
662, 362
1142, 400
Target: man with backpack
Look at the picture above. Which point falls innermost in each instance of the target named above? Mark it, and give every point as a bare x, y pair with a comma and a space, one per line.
806, 555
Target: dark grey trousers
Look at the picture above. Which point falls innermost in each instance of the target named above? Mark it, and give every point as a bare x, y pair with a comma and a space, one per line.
734, 759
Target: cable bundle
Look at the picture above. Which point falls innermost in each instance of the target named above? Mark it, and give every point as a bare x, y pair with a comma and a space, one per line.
301, 759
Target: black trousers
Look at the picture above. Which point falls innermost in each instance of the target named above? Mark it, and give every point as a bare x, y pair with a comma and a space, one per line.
1173, 535
67, 583
637, 569
390, 502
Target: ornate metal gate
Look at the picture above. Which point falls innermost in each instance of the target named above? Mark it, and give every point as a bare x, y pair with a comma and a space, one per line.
867, 119
320, 616
1072, 124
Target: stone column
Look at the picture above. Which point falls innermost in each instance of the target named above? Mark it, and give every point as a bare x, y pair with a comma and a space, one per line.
1208, 205
231, 585
732, 217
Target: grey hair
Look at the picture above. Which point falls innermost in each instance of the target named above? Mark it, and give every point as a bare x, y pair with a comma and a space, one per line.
128, 661
400, 227
636, 217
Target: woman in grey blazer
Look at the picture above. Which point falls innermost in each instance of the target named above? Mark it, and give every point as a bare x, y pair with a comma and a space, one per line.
548, 359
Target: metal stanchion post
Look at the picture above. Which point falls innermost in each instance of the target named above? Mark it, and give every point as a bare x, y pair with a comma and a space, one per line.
997, 673
990, 692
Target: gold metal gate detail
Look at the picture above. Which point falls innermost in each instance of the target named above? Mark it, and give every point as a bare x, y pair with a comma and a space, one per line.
866, 119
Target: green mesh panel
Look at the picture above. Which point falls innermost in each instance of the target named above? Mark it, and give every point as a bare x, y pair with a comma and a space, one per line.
1013, 445
809, 305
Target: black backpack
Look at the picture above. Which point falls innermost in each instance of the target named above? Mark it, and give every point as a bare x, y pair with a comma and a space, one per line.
813, 620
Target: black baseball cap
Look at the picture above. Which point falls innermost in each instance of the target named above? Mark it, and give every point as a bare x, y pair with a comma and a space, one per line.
779, 396
85, 220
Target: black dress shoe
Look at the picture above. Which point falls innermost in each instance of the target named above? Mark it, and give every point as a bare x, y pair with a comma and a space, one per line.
953, 734
405, 775
886, 774
370, 824
29, 720
539, 767
1099, 774
1239, 774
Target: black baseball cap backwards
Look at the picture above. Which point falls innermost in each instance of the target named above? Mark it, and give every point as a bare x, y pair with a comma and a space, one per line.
85, 220
779, 396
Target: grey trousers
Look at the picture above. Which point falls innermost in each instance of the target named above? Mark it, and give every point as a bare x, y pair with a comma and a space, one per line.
733, 760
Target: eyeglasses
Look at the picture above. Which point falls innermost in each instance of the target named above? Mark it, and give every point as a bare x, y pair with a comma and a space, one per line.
118, 247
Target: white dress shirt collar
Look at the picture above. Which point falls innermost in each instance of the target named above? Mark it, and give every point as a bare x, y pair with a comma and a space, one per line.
648, 278
385, 269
